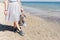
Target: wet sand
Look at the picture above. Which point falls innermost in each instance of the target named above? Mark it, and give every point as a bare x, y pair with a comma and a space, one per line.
37, 28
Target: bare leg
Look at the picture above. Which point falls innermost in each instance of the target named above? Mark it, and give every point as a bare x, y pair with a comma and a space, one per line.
14, 24
17, 25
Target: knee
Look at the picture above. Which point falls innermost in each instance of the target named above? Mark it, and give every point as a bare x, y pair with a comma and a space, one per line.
16, 22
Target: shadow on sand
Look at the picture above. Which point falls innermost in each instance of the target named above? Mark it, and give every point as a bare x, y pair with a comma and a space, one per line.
6, 28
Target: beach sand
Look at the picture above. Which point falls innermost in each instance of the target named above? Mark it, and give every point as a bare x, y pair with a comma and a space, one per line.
37, 28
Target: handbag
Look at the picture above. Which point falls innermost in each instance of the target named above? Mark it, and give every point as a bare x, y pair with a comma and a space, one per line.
21, 20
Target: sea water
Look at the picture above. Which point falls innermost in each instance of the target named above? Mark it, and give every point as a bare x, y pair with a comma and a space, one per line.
52, 9
43, 5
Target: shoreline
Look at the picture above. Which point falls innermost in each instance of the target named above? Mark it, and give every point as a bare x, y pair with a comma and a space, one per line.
41, 12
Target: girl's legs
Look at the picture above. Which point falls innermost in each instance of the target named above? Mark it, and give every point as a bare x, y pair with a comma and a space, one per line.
16, 25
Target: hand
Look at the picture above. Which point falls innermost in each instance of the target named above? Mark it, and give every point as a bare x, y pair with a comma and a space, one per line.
5, 13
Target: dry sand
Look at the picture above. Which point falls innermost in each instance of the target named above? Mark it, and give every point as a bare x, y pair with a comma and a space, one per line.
36, 29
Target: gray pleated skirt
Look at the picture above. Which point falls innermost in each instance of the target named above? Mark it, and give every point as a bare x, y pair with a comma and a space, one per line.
13, 12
